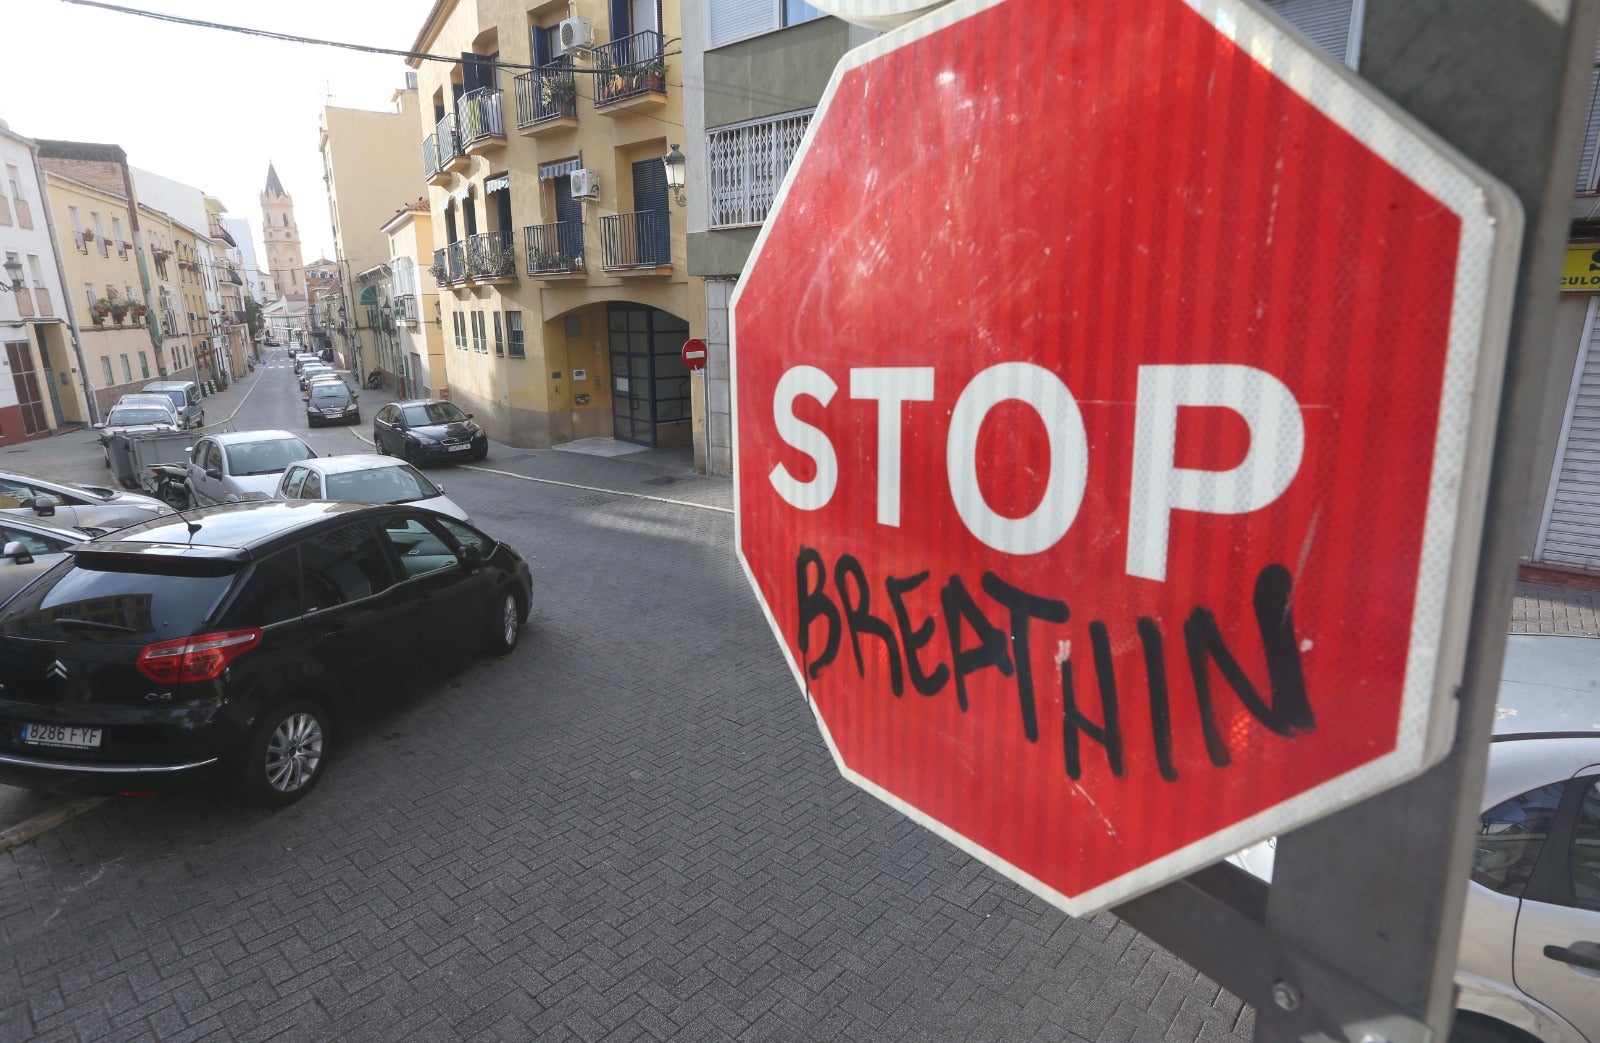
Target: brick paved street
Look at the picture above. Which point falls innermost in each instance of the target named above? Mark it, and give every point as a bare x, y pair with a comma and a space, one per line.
628, 830
1545, 609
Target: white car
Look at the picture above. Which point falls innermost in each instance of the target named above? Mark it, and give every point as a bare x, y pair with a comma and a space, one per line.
365, 478
44, 542
241, 465
1529, 962
92, 508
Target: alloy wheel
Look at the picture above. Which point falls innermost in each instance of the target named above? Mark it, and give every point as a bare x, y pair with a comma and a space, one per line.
509, 621
294, 752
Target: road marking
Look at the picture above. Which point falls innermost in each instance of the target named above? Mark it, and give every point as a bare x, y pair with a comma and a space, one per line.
575, 485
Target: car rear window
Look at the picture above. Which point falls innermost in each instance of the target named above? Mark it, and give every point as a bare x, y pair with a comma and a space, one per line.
246, 458
140, 415
113, 606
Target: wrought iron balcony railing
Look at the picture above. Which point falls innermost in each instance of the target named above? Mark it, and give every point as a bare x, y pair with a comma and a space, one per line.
641, 239
447, 144
630, 66
479, 115
405, 307
555, 248
430, 156
456, 261
490, 255
547, 93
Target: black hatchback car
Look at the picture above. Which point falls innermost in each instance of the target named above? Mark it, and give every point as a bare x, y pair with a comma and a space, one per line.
232, 643
426, 431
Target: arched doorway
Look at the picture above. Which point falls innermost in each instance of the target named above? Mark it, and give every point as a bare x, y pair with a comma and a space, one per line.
650, 401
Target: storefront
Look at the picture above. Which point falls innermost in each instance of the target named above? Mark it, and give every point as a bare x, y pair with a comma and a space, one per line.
1569, 523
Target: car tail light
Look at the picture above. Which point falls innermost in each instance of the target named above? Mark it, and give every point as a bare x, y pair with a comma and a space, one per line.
200, 658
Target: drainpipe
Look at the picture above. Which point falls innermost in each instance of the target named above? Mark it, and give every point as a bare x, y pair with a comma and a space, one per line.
66, 295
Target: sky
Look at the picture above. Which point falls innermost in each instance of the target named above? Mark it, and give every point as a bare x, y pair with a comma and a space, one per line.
200, 105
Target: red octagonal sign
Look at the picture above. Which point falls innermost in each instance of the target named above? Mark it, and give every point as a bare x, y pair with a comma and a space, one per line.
1113, 390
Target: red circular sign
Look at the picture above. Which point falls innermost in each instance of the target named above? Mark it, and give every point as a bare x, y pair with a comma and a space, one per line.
1109, 529
694, 353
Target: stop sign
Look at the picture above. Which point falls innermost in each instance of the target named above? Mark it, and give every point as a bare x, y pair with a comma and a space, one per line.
1113, 389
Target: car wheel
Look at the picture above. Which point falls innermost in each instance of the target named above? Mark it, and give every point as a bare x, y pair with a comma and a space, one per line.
284, 755
176, 494
482, 454
507, 625
357, 419
377, 444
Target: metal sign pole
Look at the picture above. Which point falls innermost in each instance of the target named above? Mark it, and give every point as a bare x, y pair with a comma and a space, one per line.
1356, 939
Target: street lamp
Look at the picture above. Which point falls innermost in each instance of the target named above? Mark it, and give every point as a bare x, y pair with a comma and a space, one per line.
677, 165
13, 276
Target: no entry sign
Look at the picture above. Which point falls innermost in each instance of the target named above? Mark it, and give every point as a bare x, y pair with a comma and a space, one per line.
1113, 387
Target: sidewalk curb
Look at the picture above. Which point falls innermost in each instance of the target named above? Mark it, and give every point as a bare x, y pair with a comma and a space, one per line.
31, 828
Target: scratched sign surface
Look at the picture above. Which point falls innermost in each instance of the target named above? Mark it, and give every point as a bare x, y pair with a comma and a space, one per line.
1108, 392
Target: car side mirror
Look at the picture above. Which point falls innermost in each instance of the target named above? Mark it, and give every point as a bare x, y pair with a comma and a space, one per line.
471, 555
214, 473
439, 487
469, 416
43, 506
99, 427
18, 552
189, 449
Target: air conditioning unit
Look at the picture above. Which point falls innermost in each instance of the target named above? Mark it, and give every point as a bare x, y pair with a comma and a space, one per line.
572, 33
585, 184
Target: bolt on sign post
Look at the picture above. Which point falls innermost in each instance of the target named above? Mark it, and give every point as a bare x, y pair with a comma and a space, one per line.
1116, 523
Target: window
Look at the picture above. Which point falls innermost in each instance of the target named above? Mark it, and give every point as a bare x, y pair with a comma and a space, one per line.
35, 543
467, 536
730, 20
312, 489
746, 163
14, 179
77, 226
480, 340
271, 594
460, 321
1585, 857
342, 566
34, 268
514, 334
421, 550
127, 370
88, 291
293, 482
499, 340
797, 11
99, 232
1510, 836
144, 366
105, 366
116, 233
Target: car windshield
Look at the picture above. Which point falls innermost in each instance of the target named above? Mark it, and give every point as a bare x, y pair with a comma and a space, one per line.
434, 413
249, 458
398, 484
138, 415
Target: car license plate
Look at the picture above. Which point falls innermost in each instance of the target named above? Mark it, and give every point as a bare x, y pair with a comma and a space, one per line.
61, 735
458, 448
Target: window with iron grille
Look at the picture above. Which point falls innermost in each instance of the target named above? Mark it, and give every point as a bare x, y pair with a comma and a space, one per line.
747, 162
514, 335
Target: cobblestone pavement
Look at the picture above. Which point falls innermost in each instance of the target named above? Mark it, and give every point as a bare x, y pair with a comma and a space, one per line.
1545, 609
630, 829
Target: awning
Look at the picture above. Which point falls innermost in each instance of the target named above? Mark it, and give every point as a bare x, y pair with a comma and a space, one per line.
369, 296
560, 168
497, 184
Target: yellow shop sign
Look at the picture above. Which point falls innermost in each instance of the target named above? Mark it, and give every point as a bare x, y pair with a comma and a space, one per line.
1582, 270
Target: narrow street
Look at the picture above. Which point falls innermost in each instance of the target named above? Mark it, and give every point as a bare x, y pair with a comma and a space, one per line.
630, 829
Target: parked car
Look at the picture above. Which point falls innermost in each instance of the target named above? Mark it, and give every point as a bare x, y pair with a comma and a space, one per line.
241, 465
41, 540
231, 642
330, 400
136, 413
186, 399
92, 508
428, 430
304, 358
312, 369
365, 478
1529, 960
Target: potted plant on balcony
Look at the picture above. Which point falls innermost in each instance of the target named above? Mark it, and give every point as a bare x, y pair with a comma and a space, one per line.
655, 73
558, 91
98, 312
438, 271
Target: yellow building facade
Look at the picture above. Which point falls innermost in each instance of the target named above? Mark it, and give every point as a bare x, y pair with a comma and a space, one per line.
101, 271
415, 306
565, 297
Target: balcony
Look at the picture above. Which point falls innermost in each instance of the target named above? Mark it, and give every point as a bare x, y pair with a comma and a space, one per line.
630, 74
455, 262
491, 257
554, 250
430, 158
636, 242
481, 121
547, 100
446, 157
405, 308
